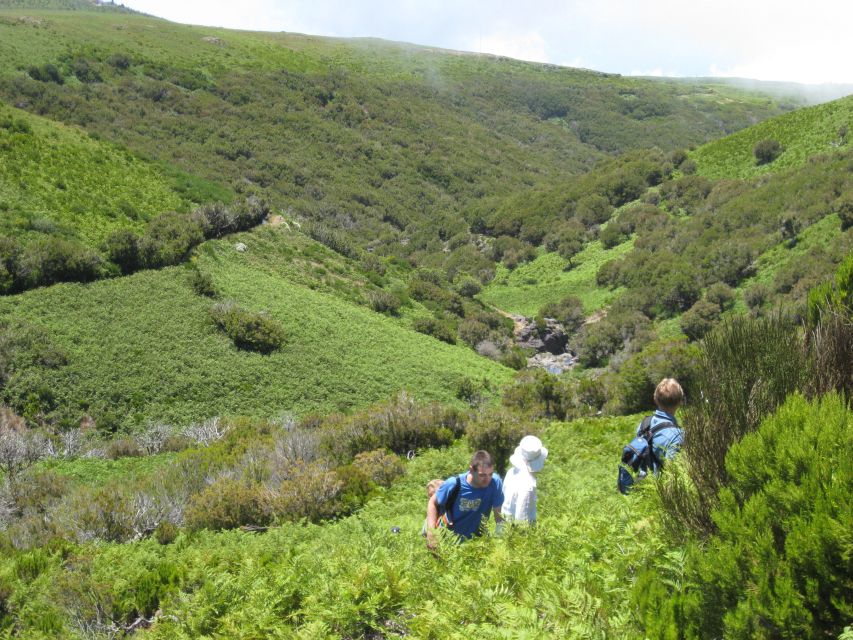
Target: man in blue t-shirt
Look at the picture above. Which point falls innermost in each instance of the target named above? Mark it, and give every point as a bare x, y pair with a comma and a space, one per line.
480, 491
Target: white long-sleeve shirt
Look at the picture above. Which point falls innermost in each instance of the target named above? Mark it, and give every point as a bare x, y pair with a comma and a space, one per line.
519, 495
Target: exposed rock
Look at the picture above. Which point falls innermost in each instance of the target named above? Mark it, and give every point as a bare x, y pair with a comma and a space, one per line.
240, 247
555, 364
552, 339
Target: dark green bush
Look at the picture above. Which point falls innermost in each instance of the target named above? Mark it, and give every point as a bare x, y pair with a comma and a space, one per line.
568, 312
384, 302
779, 564
46, 261
498, 432
122, 248
537, 393
438, 329
313, 492
514, 357
249, 330
202, 283
699, 319
766, 151
166, 533
473, 332
124, 448
168, 239
721, 295
844, 208
747, 367
46, 73
401, 425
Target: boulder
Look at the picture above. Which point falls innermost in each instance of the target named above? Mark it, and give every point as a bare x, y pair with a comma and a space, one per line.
552, 338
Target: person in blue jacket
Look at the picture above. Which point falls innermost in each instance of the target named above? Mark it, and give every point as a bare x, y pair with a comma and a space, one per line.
463, 502
668, 436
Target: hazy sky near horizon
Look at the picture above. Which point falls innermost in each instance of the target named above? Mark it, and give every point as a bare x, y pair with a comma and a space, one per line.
788, 40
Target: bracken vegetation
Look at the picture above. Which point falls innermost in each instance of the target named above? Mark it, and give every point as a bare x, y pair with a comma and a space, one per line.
256, 292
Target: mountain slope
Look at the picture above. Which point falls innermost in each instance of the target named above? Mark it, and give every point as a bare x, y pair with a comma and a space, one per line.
385, 140
145, 348
803, 134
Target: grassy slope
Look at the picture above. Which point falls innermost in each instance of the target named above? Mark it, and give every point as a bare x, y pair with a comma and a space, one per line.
58, 176
802, 133
530, 286
378, 133
144, 347
566, 578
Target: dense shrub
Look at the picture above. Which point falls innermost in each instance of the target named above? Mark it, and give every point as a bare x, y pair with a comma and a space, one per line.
735, 399
721, 295
124, 448
498, 432
202, 283
227, 504
699, 319
383, 301
438, 329
401, 425
122, 248
778, 565
312, 491
568, 312
249, 330
473, 332
631, 390
168, 239
844, 208
766, 151
46, 73
537, 393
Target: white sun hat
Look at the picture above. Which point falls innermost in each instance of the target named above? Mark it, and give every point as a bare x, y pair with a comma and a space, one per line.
529, 454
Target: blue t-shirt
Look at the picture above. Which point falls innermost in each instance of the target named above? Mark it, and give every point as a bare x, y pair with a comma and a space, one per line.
471, 504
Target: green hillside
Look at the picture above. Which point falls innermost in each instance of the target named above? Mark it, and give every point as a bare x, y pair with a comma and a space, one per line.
803, 133
145, 348
561, 579
531, 286
55, 178
393, 143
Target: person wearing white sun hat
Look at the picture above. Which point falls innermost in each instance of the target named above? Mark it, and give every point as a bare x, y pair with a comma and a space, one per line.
520, 482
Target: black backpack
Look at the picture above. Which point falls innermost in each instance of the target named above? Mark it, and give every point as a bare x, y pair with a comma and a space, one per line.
639, 454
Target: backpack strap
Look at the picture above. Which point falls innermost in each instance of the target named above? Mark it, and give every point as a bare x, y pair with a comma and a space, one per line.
447, 507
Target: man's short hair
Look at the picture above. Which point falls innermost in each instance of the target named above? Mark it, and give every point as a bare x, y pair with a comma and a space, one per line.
669, 394
482, 459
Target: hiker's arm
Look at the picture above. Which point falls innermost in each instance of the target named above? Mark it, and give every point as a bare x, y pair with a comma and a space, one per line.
432, 519
498, 516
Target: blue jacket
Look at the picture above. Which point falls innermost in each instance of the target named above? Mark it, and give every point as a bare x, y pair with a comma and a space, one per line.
666, 442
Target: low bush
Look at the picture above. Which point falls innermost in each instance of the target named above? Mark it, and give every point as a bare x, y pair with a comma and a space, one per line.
384, 302
249, 330
766, 151
438, 329
228, 504
401, 425
498, 432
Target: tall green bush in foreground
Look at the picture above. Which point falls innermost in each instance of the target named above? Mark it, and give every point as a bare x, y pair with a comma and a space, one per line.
779, 565
747, 368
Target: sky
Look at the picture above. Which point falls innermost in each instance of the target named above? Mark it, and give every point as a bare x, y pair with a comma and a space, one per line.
786, 40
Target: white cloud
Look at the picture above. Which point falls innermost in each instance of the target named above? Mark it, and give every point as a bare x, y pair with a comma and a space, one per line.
655, 73
522, 46
763, 39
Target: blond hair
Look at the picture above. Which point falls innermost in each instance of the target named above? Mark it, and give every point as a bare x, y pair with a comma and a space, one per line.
669, 395
433, 485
